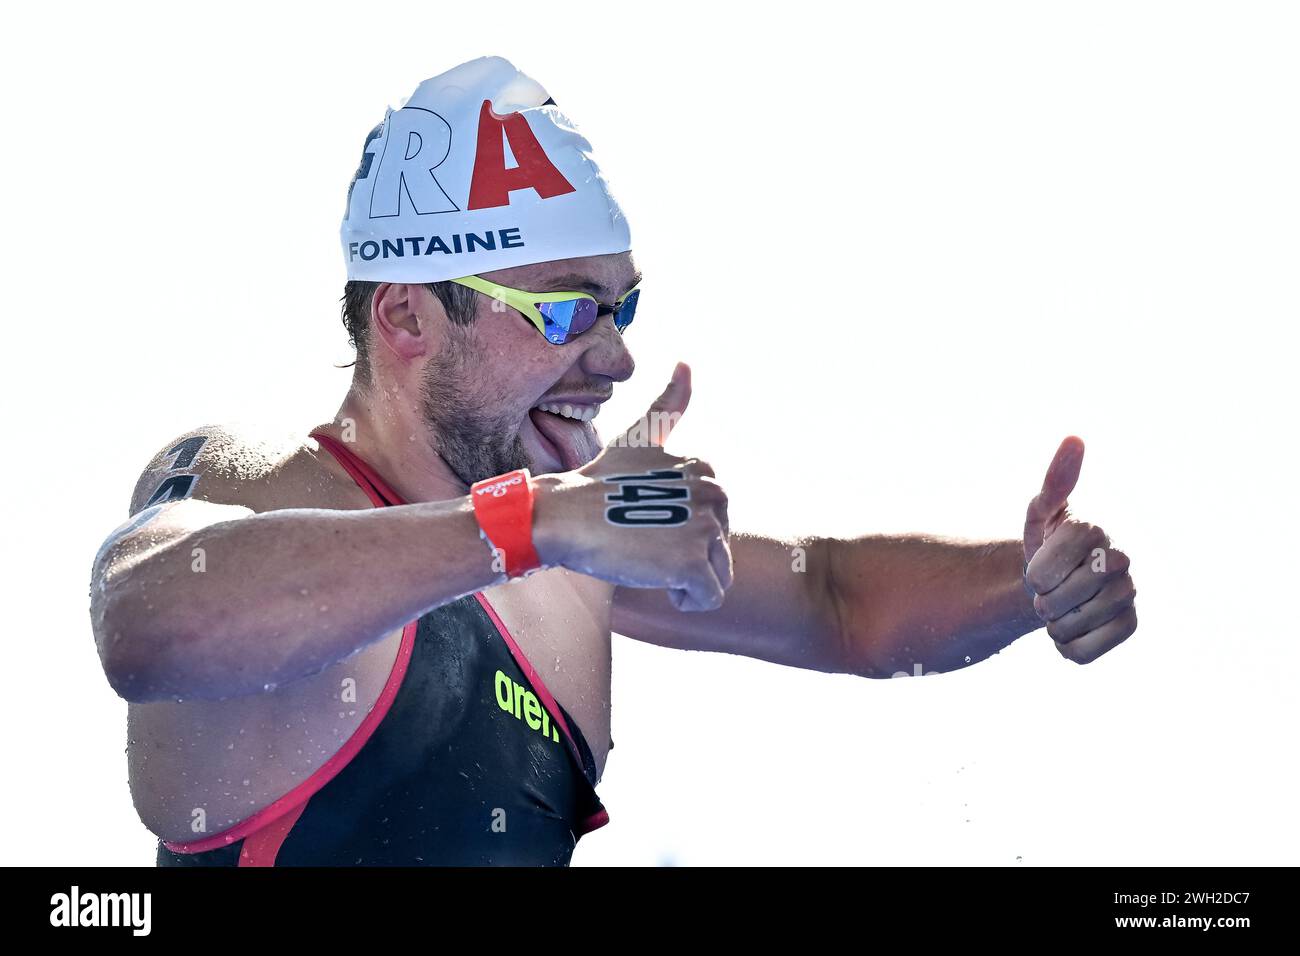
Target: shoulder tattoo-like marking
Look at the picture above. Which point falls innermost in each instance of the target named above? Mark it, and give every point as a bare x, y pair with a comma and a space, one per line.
175, 486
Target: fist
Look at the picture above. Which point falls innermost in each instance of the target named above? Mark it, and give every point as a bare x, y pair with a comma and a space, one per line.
639, 517
1080, 583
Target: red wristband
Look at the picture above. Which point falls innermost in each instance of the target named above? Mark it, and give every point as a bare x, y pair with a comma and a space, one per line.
503, 507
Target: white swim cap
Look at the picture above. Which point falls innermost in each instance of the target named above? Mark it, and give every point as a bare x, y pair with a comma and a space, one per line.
477, 170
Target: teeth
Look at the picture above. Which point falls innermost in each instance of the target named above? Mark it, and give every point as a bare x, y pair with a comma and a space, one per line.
582, 413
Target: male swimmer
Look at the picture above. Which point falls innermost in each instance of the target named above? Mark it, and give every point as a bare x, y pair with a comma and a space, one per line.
387, 642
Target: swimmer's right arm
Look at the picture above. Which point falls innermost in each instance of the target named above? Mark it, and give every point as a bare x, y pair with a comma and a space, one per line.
214, 594
206, 598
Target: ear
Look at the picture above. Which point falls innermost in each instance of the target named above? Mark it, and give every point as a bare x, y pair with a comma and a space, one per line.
399, 317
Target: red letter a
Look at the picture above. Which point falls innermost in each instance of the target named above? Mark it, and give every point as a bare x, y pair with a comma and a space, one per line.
492, 183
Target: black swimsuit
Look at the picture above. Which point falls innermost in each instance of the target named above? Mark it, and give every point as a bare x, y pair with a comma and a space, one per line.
466, 759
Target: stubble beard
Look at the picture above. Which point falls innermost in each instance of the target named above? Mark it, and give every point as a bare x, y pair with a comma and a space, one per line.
473, 442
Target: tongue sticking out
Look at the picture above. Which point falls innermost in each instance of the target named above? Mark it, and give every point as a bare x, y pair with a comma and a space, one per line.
573, 442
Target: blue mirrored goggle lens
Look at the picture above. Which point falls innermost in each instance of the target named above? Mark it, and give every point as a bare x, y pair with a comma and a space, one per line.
624, 314
568, 318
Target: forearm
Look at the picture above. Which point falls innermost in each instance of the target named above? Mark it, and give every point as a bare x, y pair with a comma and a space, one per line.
777, 610
920, 604
234, 606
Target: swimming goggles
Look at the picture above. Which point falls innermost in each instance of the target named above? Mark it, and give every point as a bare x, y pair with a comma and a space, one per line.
558, 315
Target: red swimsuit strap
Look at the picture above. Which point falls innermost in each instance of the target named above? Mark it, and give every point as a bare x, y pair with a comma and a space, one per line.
379, 491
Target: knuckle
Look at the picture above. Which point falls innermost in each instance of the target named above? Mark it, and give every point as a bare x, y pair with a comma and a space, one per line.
1069, 653
1034, 578
1130, 622
1125, 591
713, 496
1075, 651
707, 485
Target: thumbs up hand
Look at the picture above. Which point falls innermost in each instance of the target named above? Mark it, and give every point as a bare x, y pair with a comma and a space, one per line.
639, 517
1081, 585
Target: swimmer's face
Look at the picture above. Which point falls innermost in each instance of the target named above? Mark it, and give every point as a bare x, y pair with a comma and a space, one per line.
481, 395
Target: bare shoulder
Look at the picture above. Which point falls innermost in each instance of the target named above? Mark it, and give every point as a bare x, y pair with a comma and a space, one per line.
260, 468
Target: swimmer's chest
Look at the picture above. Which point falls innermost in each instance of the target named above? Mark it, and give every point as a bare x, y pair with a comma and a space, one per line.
474, 762
561, 622
234, 757
553, 627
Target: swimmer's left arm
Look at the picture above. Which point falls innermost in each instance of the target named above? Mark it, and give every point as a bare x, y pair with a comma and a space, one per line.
874, 606
777, 609
882, 605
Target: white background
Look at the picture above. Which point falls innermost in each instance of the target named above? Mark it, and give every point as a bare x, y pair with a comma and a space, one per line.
907, 249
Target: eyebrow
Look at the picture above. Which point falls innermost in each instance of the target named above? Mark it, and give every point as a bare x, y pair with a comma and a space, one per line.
576, 283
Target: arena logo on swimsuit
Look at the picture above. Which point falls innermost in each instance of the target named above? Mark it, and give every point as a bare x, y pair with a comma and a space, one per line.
520, 702
418, 141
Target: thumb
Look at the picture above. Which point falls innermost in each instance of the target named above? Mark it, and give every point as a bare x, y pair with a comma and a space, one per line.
662, 417
1047, 509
